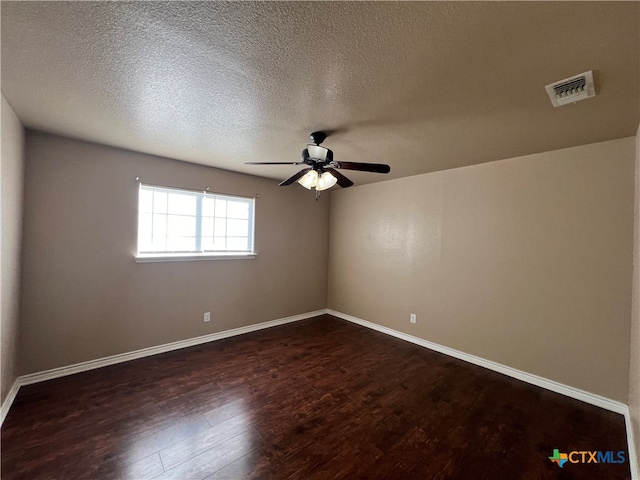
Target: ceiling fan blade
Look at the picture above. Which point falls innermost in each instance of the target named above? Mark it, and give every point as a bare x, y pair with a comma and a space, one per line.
343, 181
365, 167
273, 163
294, 178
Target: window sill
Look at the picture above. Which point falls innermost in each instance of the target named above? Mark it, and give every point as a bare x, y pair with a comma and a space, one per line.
190, 257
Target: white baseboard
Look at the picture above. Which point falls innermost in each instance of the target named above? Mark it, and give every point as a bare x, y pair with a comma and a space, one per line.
145, 352
6, 405
167, 347
631, 445
572, 392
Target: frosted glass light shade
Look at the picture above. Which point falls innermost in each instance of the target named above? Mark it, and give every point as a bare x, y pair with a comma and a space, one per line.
325, 181
309, 180
317, 152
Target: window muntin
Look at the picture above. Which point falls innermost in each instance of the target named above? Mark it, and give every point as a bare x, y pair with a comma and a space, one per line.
175, 221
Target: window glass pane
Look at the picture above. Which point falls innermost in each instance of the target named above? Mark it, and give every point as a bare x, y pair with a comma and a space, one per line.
159, 229
237, 209
144, 225
219, 243
146, 200
220, 227
237, 243
236, 228
144, 231
159, 244
159, 202
221, 208
181, 226
207, 243
181, 244
208, 202
207, 226
182, 204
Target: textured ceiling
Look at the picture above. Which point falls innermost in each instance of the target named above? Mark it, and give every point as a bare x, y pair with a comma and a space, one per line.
420, 86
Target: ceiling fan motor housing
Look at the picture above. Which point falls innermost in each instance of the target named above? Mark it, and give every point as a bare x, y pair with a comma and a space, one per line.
317, 156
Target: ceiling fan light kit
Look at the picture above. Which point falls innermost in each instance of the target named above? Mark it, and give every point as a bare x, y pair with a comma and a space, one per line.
309, 180
326, 181
319, 182
321, 173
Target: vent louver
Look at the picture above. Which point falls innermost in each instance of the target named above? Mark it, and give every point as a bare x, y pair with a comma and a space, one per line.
572, 89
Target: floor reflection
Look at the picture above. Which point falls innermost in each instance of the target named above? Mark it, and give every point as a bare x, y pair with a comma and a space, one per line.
196, 446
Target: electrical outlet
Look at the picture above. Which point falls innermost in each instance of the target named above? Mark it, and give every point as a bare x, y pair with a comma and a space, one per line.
207, 316
412, 318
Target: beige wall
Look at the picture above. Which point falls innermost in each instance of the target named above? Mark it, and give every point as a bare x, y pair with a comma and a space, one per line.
84, 297
526, 262
634, 372
11, 185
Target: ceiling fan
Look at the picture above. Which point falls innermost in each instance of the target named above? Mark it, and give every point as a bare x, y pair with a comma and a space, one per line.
322, 172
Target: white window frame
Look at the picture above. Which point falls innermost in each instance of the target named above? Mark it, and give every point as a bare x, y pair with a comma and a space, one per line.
199, 253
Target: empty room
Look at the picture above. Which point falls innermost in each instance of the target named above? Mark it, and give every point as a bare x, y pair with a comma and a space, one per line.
320, 240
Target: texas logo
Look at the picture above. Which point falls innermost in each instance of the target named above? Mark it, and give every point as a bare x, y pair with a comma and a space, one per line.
559, 458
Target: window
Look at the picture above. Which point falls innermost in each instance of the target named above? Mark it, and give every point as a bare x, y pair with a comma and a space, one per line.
178, 224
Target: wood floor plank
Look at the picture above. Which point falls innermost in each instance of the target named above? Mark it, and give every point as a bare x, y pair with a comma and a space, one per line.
203, 441
210, 461
253, 465
226, 411
146, 468
316, 399
158, 441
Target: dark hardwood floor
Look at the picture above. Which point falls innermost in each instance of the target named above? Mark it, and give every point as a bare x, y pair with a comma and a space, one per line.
316, 399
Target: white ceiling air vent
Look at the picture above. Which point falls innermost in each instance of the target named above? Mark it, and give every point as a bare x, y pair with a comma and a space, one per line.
571, 89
